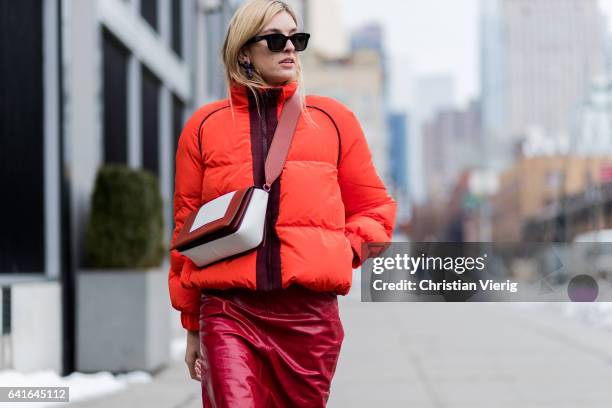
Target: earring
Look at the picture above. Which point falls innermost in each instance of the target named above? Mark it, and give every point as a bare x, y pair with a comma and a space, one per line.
248, 67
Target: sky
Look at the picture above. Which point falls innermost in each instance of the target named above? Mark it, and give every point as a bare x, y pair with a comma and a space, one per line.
428, 38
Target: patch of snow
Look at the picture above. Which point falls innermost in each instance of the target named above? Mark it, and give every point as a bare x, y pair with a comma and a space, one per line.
82, 386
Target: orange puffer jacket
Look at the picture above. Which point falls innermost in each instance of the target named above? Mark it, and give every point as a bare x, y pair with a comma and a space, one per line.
327, 201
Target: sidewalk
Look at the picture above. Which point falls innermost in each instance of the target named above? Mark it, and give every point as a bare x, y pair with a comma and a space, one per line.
440, 355
470, 355
171, 388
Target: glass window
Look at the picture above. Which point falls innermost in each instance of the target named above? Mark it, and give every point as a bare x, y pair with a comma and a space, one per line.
22, 239
148, 9
150, 121
177, 27
115, 99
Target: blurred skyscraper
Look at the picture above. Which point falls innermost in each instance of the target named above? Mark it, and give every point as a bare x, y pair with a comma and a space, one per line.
397, 123
329, 39
451, 144
537, 59
432, 93
370, 36
592, 133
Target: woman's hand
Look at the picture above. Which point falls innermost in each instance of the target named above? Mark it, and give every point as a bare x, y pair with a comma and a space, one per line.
192, 355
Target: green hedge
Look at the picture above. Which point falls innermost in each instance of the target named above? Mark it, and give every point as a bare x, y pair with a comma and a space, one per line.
126, 228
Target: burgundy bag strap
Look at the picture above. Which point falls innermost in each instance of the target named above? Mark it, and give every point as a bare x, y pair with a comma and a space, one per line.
282, 139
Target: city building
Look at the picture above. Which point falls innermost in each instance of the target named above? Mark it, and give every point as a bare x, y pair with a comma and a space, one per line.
432, 93
332, 40
397, 123
536, 187
592, 134
86, 83
451, 144
370, 36
537, 60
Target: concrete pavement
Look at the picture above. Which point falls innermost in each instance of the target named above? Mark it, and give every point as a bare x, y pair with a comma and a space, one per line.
470, 355
440, 355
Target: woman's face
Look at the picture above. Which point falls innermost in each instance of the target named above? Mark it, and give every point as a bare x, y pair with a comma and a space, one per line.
270, 64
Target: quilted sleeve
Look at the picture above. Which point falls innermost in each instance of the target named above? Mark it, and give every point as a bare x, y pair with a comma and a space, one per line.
369, 210
187, 197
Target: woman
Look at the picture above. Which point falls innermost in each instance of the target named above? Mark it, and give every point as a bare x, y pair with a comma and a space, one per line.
263, 327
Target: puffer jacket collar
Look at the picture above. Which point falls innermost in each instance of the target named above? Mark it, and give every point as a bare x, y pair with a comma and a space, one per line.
241, 96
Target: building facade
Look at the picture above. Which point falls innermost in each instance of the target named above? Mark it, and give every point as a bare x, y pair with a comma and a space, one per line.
538, 58
452, 144
536, 187
432, 94
398, 125
86, 83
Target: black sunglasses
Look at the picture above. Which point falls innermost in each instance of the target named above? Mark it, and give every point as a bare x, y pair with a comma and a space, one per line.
276, 42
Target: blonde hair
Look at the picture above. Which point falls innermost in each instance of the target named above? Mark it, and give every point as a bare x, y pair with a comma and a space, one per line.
247, 21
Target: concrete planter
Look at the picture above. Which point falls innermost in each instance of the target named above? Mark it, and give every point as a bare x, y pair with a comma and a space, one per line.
123, 321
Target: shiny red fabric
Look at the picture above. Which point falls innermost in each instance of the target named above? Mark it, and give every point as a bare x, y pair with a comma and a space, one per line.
268, 348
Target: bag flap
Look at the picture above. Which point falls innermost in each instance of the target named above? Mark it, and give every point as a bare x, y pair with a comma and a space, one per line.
217, 214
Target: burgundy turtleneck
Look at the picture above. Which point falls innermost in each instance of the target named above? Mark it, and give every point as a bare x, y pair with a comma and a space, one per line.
240, 96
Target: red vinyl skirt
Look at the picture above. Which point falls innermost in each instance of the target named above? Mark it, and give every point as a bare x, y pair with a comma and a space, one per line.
268, 349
